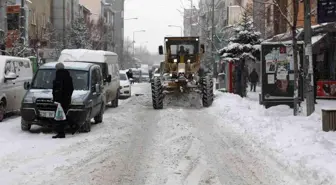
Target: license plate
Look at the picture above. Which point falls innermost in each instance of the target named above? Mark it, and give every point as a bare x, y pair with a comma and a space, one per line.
47, 114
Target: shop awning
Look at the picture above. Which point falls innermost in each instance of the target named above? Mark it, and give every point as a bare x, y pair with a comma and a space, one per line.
317, 38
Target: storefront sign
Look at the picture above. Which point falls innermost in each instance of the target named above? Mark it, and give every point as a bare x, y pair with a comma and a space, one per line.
326, 89
326, 11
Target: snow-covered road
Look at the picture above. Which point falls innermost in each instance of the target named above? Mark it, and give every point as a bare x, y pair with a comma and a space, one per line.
138, 145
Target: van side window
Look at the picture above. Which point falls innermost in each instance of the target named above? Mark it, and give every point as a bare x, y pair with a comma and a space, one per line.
94, 79
99, 77
10, 67
105, 70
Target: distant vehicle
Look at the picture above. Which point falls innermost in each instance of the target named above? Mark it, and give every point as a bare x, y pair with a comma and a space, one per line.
144, 73
88, 99
108, 62
15, 71
125, 85
145, 76
136, 75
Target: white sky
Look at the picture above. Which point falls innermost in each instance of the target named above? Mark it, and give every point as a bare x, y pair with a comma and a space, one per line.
154, 16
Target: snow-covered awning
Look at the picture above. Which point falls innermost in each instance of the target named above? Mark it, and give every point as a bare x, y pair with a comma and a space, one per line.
317, 38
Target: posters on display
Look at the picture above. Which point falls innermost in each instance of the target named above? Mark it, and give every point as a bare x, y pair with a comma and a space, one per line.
326, 89
278, 65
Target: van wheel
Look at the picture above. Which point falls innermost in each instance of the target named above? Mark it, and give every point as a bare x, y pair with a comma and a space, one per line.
115, 102
24, 125
99, 117
2, 111
86, 127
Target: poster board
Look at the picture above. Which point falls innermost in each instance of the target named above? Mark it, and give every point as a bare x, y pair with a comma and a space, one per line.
278, 72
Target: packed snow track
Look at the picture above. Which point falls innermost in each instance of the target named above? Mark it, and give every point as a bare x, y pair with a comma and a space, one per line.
137, 145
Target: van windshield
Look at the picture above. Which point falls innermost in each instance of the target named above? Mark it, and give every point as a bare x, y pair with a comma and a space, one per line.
44, 79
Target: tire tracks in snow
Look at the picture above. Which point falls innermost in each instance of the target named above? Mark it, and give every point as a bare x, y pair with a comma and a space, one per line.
245, 162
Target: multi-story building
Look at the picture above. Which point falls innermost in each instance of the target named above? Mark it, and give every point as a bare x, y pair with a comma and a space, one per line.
221, 17
276, 21
190, 22
84, 13
118, 7
64, 12
108, 28
38, 20
95, 7
259, 16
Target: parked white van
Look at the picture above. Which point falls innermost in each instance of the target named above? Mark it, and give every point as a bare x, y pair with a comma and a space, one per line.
14, 71
108, 62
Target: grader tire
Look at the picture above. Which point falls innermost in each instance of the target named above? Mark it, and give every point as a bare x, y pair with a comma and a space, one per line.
207, 92
157, 93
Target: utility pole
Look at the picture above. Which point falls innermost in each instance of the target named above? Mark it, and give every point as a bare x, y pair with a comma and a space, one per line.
213, 32
22, 22
308, 60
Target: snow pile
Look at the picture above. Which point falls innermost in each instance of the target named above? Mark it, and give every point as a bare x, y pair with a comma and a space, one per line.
297, 144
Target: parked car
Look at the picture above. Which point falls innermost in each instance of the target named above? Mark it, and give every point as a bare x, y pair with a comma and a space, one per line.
125, 85
88, 99
15, 71
108, 62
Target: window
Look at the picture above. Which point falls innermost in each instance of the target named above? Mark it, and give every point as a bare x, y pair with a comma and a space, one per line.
44, 79
94, 77
268, 15
33, 17
188, 48
13, 21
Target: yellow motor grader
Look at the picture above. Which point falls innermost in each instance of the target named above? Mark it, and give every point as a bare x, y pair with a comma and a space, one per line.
181, 71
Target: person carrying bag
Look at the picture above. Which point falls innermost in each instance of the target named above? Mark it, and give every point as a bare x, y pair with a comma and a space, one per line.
62, 92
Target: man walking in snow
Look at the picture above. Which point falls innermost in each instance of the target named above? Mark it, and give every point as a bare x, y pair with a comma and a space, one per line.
62, 92
254, 78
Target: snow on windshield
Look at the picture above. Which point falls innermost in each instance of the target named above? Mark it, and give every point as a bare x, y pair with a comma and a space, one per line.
44, 79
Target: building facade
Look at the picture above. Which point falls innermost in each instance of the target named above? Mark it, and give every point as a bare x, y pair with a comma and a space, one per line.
94, 6
118, 8
190, 22
64, 12
38, 20
259, 16
108, 16
84, 13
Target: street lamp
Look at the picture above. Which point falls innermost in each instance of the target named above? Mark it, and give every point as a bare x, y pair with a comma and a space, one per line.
134, 40
177, 27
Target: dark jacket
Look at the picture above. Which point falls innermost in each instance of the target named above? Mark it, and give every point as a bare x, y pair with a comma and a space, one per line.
63, 88
254, 77
129, 74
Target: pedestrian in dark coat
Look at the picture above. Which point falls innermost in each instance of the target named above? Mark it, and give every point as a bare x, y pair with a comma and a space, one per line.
254, 78
62, 92
129, 74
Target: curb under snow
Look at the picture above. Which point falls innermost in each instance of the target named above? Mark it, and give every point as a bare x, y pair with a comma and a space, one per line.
296, 144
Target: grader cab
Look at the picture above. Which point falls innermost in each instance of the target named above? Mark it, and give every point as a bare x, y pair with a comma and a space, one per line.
181, 71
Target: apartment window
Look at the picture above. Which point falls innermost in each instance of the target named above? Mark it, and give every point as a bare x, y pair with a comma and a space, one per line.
33, 17
44, 21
